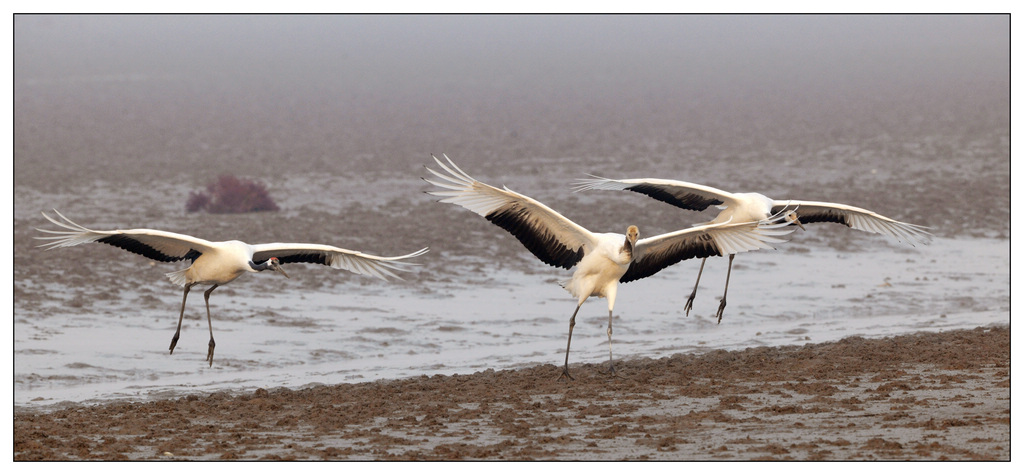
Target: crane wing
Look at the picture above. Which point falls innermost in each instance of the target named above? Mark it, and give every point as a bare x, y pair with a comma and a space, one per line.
152, 243
676, 193
551, 237
856, 218
658, 252
335, 257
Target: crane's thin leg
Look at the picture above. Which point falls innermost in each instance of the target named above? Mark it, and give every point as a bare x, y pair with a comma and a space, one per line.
209, 321
565, 369
721, 306
177, 333
689, 301
611, 364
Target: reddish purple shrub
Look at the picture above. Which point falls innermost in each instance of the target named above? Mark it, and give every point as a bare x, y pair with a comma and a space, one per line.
197, 200
230, 194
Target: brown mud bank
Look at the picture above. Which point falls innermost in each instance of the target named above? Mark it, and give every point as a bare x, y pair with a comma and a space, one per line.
927, 396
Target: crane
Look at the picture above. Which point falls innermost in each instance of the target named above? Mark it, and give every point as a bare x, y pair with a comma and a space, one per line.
216, 263
602, 260
752, 207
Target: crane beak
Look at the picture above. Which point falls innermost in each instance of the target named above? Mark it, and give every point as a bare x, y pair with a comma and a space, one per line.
276, 265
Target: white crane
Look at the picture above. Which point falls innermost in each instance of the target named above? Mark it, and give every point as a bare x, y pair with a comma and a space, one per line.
602, 260
737, 207
217, 263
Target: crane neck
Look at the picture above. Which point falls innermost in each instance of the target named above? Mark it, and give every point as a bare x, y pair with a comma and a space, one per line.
259, 267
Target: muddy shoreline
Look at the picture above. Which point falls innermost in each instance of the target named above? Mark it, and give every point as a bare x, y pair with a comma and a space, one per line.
927, 396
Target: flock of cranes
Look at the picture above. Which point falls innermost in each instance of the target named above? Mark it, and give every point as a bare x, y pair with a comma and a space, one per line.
746, 222
756, 207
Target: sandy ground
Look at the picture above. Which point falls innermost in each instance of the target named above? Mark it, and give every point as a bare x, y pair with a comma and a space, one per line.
929, 396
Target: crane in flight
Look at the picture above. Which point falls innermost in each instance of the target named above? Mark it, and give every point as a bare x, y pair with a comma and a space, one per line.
216, 263
602, 260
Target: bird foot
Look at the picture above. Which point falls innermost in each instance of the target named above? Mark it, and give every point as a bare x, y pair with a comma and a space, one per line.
689, 305
174, 341
721, 309
565, 376
209, 354
611, 370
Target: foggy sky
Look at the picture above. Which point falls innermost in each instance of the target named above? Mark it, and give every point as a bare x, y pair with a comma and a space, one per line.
117, 95
495, 53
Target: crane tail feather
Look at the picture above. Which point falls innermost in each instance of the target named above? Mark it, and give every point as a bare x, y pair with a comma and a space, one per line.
178, 277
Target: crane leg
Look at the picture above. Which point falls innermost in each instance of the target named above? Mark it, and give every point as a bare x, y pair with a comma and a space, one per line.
209, 321
721, 306
565, 369
177, 333
689, 301
611, 364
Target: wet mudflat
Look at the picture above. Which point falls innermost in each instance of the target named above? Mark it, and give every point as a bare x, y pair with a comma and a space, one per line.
927, 396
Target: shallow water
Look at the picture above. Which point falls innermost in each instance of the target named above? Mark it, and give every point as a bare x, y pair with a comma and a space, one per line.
271, 335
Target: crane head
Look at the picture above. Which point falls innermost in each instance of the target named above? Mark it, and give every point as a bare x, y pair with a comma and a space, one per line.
275, 264
632, 233
792, 218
